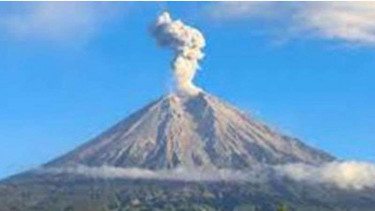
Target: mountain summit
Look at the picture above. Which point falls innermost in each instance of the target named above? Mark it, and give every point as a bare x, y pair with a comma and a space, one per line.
191, 131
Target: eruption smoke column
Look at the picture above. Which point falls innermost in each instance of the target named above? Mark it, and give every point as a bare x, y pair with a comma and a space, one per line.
187, 43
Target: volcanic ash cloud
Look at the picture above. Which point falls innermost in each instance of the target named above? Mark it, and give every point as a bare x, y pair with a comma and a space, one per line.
186, 43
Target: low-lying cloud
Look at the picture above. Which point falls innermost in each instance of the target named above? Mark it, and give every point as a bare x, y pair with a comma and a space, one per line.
177, 174
350, 175
345, 175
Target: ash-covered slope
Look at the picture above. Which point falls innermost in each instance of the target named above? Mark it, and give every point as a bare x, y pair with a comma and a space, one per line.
191, 131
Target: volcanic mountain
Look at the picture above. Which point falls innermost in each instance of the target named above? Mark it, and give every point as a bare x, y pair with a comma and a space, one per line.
168, 155
191, 131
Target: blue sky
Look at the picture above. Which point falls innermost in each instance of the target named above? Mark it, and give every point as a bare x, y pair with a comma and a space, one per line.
68, 71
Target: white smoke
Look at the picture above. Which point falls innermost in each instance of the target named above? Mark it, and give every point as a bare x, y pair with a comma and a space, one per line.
187, 43
349, 175
346, 175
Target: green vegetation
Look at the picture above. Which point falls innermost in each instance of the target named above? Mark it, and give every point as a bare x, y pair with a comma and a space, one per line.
282, 207
121, 195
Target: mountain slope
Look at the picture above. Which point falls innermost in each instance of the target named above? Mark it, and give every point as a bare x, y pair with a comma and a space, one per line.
198, 131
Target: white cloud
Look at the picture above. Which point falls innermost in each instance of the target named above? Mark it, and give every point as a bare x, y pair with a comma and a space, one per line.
351, 22
247, 10
55, 20
349, 175
167, 174
345, 175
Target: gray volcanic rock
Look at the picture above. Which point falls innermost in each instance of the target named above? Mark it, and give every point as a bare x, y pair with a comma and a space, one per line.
191, 131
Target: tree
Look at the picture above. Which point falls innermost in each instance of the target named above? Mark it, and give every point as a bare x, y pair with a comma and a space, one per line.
281, 207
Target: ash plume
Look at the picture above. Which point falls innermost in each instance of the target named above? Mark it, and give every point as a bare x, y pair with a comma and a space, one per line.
186, 43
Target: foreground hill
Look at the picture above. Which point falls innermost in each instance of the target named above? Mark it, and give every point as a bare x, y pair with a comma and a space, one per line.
71, 193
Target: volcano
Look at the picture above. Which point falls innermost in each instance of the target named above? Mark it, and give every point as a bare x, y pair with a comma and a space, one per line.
191, 131
180, 131
189, 150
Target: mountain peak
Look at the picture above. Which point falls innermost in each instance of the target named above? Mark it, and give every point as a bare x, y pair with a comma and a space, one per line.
191, 131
